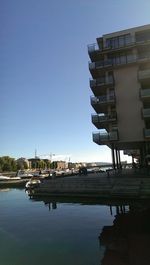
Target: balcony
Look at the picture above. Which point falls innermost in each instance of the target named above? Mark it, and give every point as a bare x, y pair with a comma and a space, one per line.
100, 64
112, 44
102, 121
93, 48
94, 51
144, 75
143, 57
146, 113
134, 153
147, 133
100, 103
145, 94
143, 36
120, 42
102, 138
102, 81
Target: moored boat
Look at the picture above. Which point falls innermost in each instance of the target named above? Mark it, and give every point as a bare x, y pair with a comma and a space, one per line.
23, 174
6, 178
34, 182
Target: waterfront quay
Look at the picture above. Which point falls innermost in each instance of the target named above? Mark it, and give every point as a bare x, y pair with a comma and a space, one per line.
123, 184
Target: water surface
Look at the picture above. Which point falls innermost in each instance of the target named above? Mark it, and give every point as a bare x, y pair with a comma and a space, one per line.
35, 233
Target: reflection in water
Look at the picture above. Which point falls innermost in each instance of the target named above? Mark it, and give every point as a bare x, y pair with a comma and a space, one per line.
4, 190
127, 241
51, 205
62, 231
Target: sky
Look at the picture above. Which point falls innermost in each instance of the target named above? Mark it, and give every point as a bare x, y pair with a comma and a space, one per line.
44, 76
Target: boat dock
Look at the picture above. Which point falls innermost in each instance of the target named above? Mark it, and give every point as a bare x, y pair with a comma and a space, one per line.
116, 185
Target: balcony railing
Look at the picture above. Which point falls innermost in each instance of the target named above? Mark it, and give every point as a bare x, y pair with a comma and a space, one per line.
93, 47
100, 64
144, 74
145, 93
101, 81
117, 45
146, 113
113, 62
105, 137
103, 99
131, 152
104, 118
143, 56
147, 133
142, 39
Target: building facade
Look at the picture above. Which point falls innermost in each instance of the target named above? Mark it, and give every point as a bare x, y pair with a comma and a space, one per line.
23, 163
120, 70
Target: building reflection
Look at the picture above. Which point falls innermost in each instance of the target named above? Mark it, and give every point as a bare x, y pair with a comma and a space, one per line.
127, 241
51, 205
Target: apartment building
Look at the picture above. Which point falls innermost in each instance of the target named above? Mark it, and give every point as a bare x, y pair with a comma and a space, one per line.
120, 69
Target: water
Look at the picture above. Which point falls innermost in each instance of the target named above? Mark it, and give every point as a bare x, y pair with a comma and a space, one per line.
33, 233
58, 232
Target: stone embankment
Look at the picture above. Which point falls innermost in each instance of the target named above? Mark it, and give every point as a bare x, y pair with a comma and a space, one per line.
121, 186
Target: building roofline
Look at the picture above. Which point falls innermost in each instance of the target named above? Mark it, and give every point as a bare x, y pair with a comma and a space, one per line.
125, 31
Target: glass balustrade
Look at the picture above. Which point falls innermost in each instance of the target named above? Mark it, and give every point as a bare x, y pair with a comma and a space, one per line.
145, 92
105, 136
104, 118
147, 133
103, 99
93, 47
144, 74
146, 113
102, 81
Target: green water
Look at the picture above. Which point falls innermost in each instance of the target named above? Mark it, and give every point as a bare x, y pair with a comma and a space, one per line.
34, 233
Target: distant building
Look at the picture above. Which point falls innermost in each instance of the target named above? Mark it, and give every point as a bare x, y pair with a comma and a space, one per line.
22, 163
62, 165
120, 69
33, 162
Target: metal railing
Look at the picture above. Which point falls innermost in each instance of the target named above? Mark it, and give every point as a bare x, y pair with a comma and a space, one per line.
113, 62
103, 99
147, 133
145, 92
101, 81
102, 118
100, 64
146, 113
144, 74
119, 45
93, 47
105, 136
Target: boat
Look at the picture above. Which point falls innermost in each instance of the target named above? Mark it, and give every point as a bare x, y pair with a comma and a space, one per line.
5, 178
23, 174
34, 182
12, 182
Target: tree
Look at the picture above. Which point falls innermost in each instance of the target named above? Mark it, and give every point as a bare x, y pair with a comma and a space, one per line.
53, 165
25, 165
8, 163
41, 164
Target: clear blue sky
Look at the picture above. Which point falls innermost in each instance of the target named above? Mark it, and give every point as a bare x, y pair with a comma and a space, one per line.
44, 76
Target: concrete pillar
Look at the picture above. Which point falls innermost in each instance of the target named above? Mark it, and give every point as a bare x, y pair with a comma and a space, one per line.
117, 162
113, 156
119, 159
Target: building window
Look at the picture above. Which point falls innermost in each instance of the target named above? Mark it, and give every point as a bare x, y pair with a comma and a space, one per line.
121, 58
118, 42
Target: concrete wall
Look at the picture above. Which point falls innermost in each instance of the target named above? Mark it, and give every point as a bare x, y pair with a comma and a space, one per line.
128, 104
